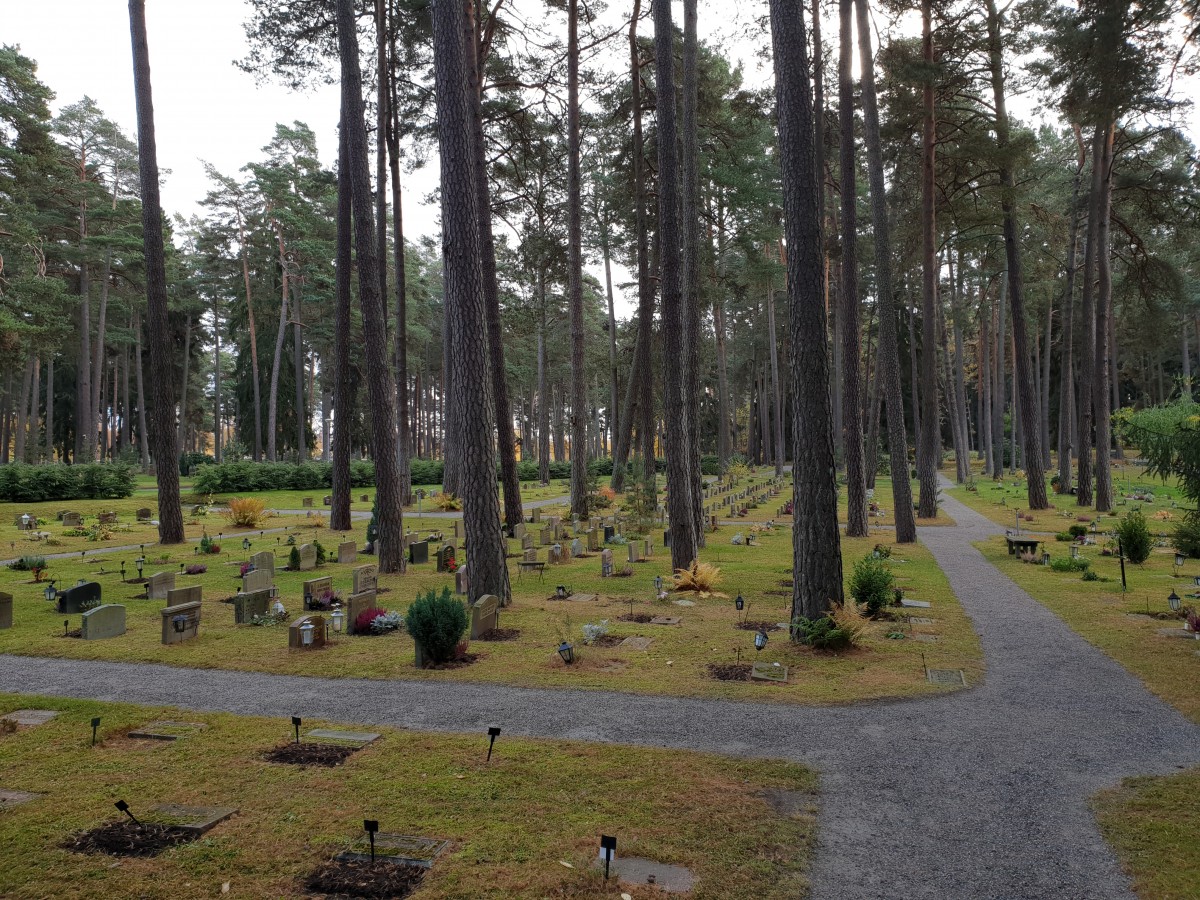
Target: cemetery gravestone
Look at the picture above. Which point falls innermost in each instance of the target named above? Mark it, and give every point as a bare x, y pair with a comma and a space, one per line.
180, 623
248, 606
108, 518
357, 604
485, 615
72, 520
519, 531
606, 563
159, 584
191, 594
527, 542
264, 561
609, 531
347, 552
144, 514
6, 610
593, 540
530, 555
576, 547
418, 552
306, 502
635, 555
327, 500
546, 536
461, 585
308, 558
555, 555
445, 558
106, 621
536, 516
317, 588
366, 578
296, 633
78, 599
257, 580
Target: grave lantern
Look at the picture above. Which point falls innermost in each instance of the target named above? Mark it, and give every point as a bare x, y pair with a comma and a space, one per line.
307, 598
1046, 558
1074, 551
25, 520
561, 592
1180, 559
245, 543
338, 617
658, 582
1173, 601
739, 603
567, 652
122, 570
140, 562
760, 640
51, 592
181, 568
277, 608
306, 633
179, 623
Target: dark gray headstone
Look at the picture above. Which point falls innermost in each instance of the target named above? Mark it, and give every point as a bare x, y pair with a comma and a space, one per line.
247, 606
6, 601
418, 552
78, 599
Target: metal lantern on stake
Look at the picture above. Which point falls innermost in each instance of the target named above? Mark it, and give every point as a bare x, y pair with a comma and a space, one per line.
1046, 558
658, 583
760, 641
567, 652
1174, 602
140, 562
51, 592
307, 599
179, 623
306, 633
561, 592
1180, 559
338, 618
740, 603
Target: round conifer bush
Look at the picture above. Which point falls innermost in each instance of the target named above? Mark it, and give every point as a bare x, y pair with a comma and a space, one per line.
437, 622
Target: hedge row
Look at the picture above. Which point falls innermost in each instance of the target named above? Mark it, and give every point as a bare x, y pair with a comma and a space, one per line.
21, 483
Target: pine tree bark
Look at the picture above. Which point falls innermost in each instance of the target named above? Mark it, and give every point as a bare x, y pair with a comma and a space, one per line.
1104, 356
50, 404
816, 543
404, 438
143, 433
679, 484
216, 380
888, 355
579, 457
380, 389
927, 460
298, 368
691, 262
257, 378
166, 452
464, 292
183, 388
998, 386
851, 314
1035, 479
277, 359
1088, 343
343, 395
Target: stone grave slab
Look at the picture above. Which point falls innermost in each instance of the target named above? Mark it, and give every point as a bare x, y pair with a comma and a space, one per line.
9, 799
593, 540
485, 615
78, 599
633, 871
518, 531
925, 638
347, 552
576, 547
296, 636
636, 643
946, 676
1177, 632
921, 620
248, 606
332, 735
159, 584
6, 601
366, 578
193, 593
308, 557
257, 580
107, 621
915, 604
30, 717
180, 623
418, 552
774, 672
684, 602
665, 620
317, 588
164, 730
356, 604
194, 819
264, 561
107, 518
397, 848
527, 542
582, 598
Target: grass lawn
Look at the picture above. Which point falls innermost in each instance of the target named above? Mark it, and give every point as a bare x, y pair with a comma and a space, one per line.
1152, 823
676, 663
709, 814
1117, 623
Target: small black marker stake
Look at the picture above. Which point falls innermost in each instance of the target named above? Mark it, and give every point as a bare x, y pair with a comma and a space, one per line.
608, 843
371, 826
124, 807
95, 725
493, 733
296, 725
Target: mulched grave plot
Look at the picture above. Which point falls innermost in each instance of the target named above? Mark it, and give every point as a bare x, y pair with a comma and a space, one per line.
500, 634
729, 671
352, 878
606, 640
640, 618
125, 838
465, 660
778, 593
786, 582
758, 626
73, 633
309, 754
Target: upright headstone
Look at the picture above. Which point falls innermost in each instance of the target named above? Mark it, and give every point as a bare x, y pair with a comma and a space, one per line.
606, 563
461, 585
308, 558
79, 598
306, 502
180, 623
635, 552
264, 561
356, 605
445, 558
609, 531
193, 593
576, 547
6, 610
105, 621
366, 578
527, 542
107, 518
257, 580
485, 615
72, 520
347, 553
248, 606
593, 540
519, 531
555, 555
159, 584
536, 515
418, 552
145, 514
547, 536
317, 588
530, 555
296, 633
647, 549
327, 500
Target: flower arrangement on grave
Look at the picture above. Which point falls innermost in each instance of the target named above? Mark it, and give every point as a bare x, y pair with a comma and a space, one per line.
35, 564
388, 622
99, 532
1192, 622
326, 601
452, 565
269, 618
448, 502
196, 569
208, 545
700, 578
245, 569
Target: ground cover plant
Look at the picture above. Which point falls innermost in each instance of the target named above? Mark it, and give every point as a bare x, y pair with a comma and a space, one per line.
293, 819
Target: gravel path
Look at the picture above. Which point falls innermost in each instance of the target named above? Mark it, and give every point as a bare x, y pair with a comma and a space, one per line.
978, 794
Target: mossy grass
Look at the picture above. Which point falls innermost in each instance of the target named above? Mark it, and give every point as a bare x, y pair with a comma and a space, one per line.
710, 814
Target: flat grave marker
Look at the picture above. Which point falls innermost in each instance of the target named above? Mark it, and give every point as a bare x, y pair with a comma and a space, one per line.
327, 735
9, 799
195, 820
916, 604
921, 620
946, 676
636, 643
665, 620
634, 871
774, 672
398, 848
30, 718
165, 730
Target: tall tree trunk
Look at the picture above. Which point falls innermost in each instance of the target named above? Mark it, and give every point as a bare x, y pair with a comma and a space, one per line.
50, 404
143, 433
851, 313
927, 461
23, 412
998, 388
1044, 384
579, 472
404, 439
1030, 425
343, 394
614, 410
724, 444
464, 291
380, 390
692, 312
257, 380
984, 386
6, 418
679, 485
298, 369
889, 357
816, 543
1066, 393
85, 413
1104, 357
95, 404
35, 402
1088, 344
216, 380
166, 452
277, 359
183, 392
543, 391
776, 384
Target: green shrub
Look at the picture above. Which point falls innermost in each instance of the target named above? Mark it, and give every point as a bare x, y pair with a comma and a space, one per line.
1090, 575
437, 622
1134, 536
872, 584
1186, 538
1066, 564
1064, 536
294, 559
21, 483
28, 564
823, 633
1077, 531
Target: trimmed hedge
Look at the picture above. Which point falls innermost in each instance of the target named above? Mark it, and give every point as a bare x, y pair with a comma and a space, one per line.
22, 483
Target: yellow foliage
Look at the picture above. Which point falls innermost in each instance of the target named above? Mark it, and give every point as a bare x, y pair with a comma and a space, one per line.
699, 578
850, 620
246, 512
448, 502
